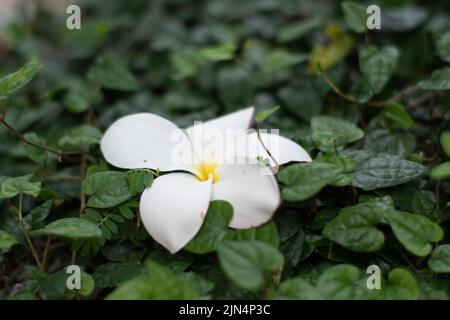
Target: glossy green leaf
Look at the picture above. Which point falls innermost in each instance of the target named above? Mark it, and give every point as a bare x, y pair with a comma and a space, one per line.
113, 274
378, 65
107, 189
329, 132
445, 142
440, 259
6, 241
441, 171
384, 171
439, 80
302, 181
36, 217
246, 262
266, 233
81, 136
159, 283
414, 232
72, 228
11, 187
398, 115
139, 180
400, 144
355, 226
214, 229
11, 83
263, 115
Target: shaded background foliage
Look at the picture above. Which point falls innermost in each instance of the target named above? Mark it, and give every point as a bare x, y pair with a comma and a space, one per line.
370, 107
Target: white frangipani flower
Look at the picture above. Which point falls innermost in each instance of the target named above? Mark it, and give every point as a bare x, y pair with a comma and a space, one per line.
173, 208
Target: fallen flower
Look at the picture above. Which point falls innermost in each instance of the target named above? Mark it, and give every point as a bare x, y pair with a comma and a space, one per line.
174, 207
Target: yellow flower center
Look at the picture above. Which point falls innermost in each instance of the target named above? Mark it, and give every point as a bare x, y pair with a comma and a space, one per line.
205, 169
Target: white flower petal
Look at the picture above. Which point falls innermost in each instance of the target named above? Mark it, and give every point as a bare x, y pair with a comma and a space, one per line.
252, 191
174, 207
210, 138
281, 148
145, 140
242, 119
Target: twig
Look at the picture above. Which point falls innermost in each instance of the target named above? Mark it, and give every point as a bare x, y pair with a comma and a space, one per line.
27, 236
376, 104
58, 153
46, 250
258, 134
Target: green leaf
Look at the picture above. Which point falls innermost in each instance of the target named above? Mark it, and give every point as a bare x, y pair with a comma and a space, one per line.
346, 164
445, 142
79, 97
159, 283
328, 132
54, 286
280, 59
214, 229
424, 204
439, 80
37, 215
384, 171
126, 212
139, 180
303, 180
113, 274
398, 115
440, 259
72, 228
441, 171
6, 241
110, 71
13, 82
443, 46
400, 285
414, 231
382, 140
299, 289
107, 189
377, 65
186, 63
355, 16
355, 226
11, 187
87, 284
219, 53
297, 30
38, 155
199, 283
247, 262
81, 136
263, 115
347, 282
267, 233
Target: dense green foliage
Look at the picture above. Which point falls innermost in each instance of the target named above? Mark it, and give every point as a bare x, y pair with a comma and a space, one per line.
372, 107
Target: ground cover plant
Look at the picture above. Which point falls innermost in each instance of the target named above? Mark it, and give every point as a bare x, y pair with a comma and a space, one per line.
371, 107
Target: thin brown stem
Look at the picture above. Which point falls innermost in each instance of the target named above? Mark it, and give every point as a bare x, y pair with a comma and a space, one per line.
277, 166
377, 104
19, 136
46, 250
27, 236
